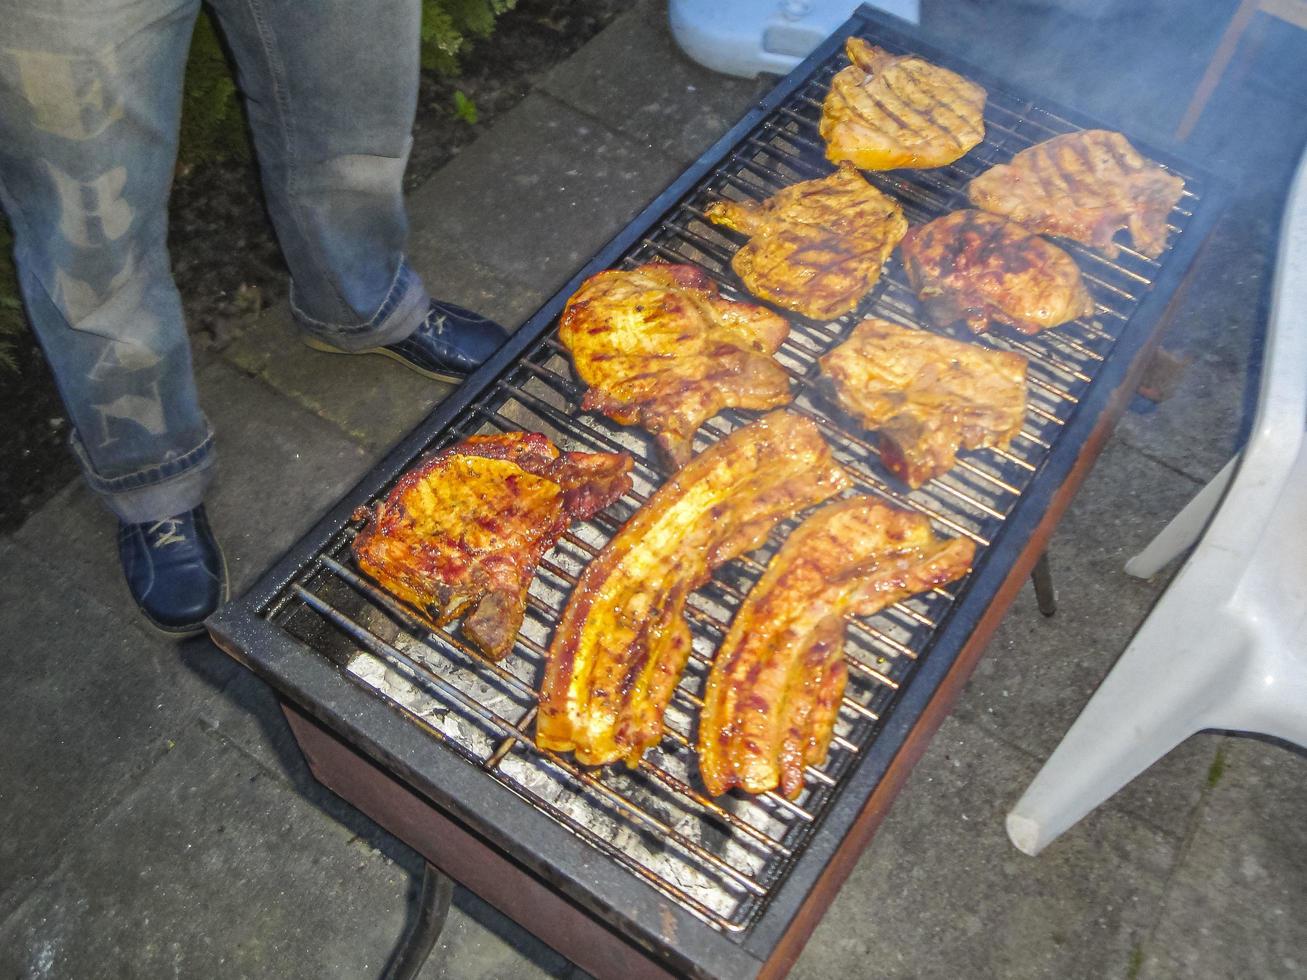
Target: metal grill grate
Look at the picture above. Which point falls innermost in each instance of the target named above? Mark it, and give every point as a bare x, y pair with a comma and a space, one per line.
722, 860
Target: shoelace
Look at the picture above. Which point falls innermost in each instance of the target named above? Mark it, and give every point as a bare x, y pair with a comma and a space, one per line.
435, 322
166, 530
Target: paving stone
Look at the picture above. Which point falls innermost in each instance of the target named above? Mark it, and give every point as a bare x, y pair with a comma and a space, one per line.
88, 707
1217, 327
1237, 904
375, 400
478, 943
540, 193
1039, 672
210, 868
660, 97
941, 892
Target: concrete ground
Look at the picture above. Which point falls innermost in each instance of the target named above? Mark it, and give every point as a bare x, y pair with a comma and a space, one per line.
156, 819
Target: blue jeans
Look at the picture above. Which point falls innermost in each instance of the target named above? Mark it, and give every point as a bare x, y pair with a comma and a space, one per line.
90, 96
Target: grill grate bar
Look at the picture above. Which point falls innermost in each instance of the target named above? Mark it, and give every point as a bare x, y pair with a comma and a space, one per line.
428, 679
598, 441
417, 626
727, 878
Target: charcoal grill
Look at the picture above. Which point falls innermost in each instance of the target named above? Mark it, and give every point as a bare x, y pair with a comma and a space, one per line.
638, 871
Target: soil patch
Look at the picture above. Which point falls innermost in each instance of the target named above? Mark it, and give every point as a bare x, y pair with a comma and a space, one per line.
225, 257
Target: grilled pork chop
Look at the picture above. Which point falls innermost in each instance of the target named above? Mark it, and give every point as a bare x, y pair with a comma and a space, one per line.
927, 396
463, 531
976, 267
621, 644
816, 247
778, 677
1086, 186
886, 111
661, 349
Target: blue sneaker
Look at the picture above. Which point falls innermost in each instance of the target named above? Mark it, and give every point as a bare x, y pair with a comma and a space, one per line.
175, 571
450, 344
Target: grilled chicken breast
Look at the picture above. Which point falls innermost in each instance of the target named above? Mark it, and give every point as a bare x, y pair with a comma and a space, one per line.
463, 531
1086, 186
661, 349
816, 247
778, 677
926, 396
621, 644
976, 267
886, 111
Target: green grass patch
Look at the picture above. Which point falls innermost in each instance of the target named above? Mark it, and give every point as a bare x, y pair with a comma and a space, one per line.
1216, 770
1136, 963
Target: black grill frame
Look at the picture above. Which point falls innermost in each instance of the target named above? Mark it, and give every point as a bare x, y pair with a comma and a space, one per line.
608, 891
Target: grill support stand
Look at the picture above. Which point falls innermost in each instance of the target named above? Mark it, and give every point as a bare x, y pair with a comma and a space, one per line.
1041, 576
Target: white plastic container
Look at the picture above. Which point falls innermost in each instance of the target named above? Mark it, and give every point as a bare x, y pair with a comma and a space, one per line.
748, 37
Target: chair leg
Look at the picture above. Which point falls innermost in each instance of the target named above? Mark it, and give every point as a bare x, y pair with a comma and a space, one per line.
1216, 67
1160, 692
1185, 528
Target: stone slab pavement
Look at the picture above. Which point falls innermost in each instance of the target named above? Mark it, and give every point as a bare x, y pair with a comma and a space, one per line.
155, 816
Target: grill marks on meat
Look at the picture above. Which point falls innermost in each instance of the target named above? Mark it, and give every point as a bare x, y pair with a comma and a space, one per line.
1086, 186
463, 531
778, 677
661, 349
976, 267
886, 111
927, 396
815, 247
622, 642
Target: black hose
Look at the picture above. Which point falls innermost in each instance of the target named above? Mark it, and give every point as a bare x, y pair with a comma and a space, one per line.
411, 954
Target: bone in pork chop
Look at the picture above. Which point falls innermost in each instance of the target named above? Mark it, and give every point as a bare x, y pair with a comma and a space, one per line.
976, 267
926, 396
1086, 186
463, 531
886, 111
816, 247
661, 349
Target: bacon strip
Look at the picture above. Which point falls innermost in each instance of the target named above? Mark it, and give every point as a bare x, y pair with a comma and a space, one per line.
622, 643
777, 680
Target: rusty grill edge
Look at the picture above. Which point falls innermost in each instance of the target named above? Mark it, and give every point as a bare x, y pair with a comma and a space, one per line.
735, 871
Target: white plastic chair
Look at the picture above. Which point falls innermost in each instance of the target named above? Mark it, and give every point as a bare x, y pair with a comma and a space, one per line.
1226, 647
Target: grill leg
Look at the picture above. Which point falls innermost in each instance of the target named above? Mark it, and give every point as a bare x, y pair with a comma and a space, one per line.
415, 947
1042, 578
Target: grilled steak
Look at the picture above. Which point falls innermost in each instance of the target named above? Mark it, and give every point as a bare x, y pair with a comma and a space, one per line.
927, 396
621, 644
778, 677
976, 267
1086, 186
886, 111
660, 349
816, 247
463, 531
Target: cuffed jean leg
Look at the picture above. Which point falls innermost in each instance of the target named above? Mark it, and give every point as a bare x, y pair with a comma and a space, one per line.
90, 96
331, 88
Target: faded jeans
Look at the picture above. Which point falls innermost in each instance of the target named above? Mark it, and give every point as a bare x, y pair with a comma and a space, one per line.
90, 95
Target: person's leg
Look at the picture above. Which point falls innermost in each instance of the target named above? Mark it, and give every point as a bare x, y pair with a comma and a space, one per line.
331, 89
90, 95
89, 104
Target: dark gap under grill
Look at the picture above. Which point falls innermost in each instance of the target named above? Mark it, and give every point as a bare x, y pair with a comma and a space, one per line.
724, 860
